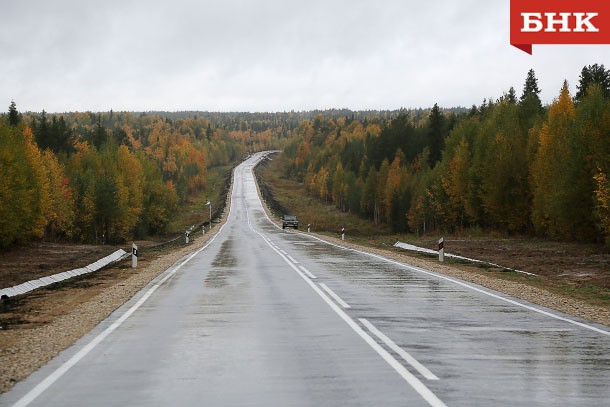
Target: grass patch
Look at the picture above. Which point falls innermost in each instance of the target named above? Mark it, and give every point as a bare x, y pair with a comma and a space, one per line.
287, 196
195, 211
590, 293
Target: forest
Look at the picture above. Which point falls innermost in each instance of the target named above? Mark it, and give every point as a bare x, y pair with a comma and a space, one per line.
509, 165
108, 177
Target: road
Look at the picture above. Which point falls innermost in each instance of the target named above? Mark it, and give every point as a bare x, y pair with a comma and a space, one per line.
265, 317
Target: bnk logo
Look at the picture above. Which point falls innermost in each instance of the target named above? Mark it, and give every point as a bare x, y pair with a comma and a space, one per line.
533, 22
559, 22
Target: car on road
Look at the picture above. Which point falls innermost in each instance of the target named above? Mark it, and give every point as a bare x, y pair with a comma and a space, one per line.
290, 221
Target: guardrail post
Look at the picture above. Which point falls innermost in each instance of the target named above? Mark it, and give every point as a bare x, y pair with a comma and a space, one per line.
441, 249
134, 256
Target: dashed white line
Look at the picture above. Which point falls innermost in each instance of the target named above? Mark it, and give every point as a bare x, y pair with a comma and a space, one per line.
413, 381
307, 272
283, 252
335, 296
292, 259
466, 285
423, 370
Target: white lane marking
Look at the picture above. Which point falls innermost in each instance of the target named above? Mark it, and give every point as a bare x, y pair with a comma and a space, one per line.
413, 381
60, 371
292, 259
463, 284
283, 252
423, 370
334, 295
307, 272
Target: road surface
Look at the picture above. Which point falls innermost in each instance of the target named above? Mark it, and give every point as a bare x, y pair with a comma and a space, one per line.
265, 317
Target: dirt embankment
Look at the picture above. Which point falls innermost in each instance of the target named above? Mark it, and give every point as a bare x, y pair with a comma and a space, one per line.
531, 289
574, 263
35, 327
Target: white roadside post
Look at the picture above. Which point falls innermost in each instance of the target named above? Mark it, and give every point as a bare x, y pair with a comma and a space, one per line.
186, 236
441, 249
209, 203
203, 229
134, 255
342, 233
308, 227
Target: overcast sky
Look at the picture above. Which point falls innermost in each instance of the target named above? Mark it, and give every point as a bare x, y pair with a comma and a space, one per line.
269, 55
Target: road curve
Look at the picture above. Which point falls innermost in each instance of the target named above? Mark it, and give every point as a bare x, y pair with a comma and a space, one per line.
265, 317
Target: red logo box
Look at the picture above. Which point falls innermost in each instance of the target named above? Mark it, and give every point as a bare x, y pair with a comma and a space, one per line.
559, 22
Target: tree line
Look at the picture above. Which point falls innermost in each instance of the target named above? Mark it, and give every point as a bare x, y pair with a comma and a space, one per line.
107, 177
509, 165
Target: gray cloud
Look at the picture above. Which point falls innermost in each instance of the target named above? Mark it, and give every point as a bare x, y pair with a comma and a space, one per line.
268, 55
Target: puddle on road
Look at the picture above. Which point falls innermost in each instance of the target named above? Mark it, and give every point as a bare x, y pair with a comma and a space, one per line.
223, 266
225, 257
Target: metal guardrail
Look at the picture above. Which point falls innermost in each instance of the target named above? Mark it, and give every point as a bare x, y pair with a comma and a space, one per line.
56, 278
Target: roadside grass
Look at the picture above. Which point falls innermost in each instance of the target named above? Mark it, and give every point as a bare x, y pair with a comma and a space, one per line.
322, 218
325, 219
195, 211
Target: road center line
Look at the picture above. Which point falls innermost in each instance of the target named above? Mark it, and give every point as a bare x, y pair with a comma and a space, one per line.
466, 285
334, 295
307, 272
423, 370
413, 381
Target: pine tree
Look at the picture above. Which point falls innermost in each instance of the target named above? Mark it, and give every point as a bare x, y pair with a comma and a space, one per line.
530, 88
530, 106
511, 96
436, 136
14, 117
593, 74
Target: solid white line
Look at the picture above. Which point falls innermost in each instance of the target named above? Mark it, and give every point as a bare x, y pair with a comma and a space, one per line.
423, 370
309, 274
463, 284
292, 259
413, 381
60, 371
334, 295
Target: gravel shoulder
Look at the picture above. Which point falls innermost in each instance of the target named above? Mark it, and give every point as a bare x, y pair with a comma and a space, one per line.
37, 326
494, 281
489, 279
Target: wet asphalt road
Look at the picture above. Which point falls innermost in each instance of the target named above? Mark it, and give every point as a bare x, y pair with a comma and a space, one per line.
265, 317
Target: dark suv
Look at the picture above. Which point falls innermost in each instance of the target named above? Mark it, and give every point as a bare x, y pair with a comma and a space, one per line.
290, 221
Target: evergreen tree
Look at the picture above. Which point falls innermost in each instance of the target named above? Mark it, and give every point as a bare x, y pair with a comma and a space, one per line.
593, 74
436, 134
14, 117
99, 135
530, 101
511, 96
530, 106
530, 88
209, 132
42, 132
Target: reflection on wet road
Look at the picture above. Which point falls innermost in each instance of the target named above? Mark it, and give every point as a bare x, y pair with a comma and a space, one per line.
266, 317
